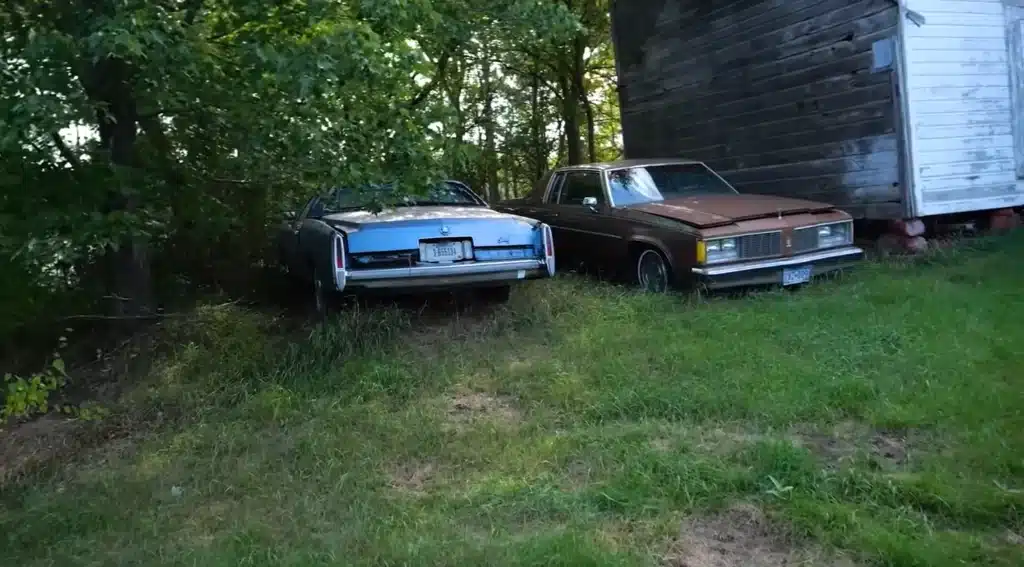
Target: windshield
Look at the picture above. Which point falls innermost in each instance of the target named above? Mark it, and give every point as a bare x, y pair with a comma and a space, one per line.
445, 194
654, 183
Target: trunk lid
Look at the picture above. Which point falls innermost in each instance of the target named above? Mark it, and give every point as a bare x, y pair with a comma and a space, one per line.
402, 228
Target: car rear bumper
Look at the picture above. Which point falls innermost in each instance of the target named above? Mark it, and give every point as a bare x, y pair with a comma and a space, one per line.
770, 272
467, 274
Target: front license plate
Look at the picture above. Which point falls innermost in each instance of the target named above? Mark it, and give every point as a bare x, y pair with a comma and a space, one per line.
442, 251
796, 276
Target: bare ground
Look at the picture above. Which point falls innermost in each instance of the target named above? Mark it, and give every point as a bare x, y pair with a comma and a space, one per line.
742, 536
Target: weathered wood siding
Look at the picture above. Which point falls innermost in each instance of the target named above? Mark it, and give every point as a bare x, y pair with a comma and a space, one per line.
778, 95
961, 85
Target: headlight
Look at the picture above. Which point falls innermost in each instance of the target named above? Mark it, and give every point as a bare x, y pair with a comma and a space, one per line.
718, 250
832, 235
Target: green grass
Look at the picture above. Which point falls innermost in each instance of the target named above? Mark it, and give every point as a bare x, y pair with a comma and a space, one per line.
581, 425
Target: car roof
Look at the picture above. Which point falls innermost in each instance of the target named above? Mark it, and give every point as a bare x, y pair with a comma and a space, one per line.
624, 163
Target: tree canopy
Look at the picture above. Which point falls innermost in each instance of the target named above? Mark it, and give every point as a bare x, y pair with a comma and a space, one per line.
144, 142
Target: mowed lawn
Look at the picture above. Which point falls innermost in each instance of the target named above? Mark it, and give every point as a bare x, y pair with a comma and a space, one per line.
874, 420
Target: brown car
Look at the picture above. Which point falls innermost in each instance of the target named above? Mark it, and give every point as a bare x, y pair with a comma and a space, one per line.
676, 223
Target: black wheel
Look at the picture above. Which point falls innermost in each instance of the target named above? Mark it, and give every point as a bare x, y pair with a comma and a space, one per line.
500, 294
652, 271
325, 300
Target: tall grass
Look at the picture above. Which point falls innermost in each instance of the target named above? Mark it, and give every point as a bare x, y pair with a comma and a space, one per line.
579, 425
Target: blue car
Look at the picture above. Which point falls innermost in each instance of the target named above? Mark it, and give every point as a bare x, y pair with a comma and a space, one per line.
446, 239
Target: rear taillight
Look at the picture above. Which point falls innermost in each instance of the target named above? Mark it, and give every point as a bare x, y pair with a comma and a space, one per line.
339, 253
340, 276
549, 250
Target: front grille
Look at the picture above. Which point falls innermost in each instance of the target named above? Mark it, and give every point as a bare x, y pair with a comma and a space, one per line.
805, 239
760, 245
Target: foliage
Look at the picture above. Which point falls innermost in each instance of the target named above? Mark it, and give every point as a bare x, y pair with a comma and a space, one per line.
582, 425
146, 142
31, 395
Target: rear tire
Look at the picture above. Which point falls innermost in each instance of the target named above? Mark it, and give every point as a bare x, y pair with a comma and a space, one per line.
324, 300
652, 271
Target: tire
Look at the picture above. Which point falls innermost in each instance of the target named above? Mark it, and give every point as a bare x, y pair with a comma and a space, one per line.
324, 300
652, 271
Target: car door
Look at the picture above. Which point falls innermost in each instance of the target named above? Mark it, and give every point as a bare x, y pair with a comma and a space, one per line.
587, 227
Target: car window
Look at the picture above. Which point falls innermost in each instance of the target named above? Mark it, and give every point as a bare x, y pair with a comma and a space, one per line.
444, 194
655, 183
556, 188
580, 184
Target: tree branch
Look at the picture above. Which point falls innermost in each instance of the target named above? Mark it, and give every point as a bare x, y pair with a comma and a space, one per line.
65, 152
439, 77
192, 8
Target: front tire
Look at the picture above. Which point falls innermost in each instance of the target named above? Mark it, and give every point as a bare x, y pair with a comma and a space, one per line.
653, 274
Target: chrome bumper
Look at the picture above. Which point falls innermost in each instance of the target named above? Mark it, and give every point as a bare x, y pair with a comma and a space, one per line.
444, 275
770, 271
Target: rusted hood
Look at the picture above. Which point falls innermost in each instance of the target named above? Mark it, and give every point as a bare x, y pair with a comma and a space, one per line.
706, 211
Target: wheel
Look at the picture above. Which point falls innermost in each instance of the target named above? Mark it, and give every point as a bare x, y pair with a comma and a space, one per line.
652, 272
500, 294
324, 299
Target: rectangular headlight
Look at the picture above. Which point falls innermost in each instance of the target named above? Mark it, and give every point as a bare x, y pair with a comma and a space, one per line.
832, 235
719, 250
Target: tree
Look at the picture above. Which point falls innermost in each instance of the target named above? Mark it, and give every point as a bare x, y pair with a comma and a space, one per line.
203, 117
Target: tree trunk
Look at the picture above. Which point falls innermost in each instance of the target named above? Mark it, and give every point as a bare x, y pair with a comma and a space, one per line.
579, 82
571, 119
540, 164
454, 87
130, 284
490, 153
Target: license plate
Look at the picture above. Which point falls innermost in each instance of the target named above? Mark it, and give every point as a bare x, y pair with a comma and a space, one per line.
796, 276
442, 251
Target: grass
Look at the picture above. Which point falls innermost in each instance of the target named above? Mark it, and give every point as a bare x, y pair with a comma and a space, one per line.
877, 418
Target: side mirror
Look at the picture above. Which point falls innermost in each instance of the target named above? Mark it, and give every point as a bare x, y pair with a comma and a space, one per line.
290, 215
590, 203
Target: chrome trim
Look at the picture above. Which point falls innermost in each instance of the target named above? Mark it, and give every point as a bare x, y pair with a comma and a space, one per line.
591, 232
829, 223
339, 274
779, 263
455, 269
744, 235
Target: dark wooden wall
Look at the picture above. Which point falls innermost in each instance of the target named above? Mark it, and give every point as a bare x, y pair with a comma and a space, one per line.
777, 95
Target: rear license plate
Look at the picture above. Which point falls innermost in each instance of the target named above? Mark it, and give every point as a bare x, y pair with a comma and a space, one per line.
796, 276
442, 251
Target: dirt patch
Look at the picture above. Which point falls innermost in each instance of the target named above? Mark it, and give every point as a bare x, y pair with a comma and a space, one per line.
887, 449
413, 477
469, 407
727, 441
741, 536
27, 446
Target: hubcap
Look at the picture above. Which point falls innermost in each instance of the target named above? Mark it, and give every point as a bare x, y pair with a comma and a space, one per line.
651, 272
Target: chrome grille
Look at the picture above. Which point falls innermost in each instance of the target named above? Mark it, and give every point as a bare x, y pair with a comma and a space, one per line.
760, 245
805, 239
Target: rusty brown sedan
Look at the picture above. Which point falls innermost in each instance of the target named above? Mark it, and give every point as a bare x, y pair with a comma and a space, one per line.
676, 223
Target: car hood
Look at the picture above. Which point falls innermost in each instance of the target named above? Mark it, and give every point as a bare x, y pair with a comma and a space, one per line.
706, 211
356, 219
